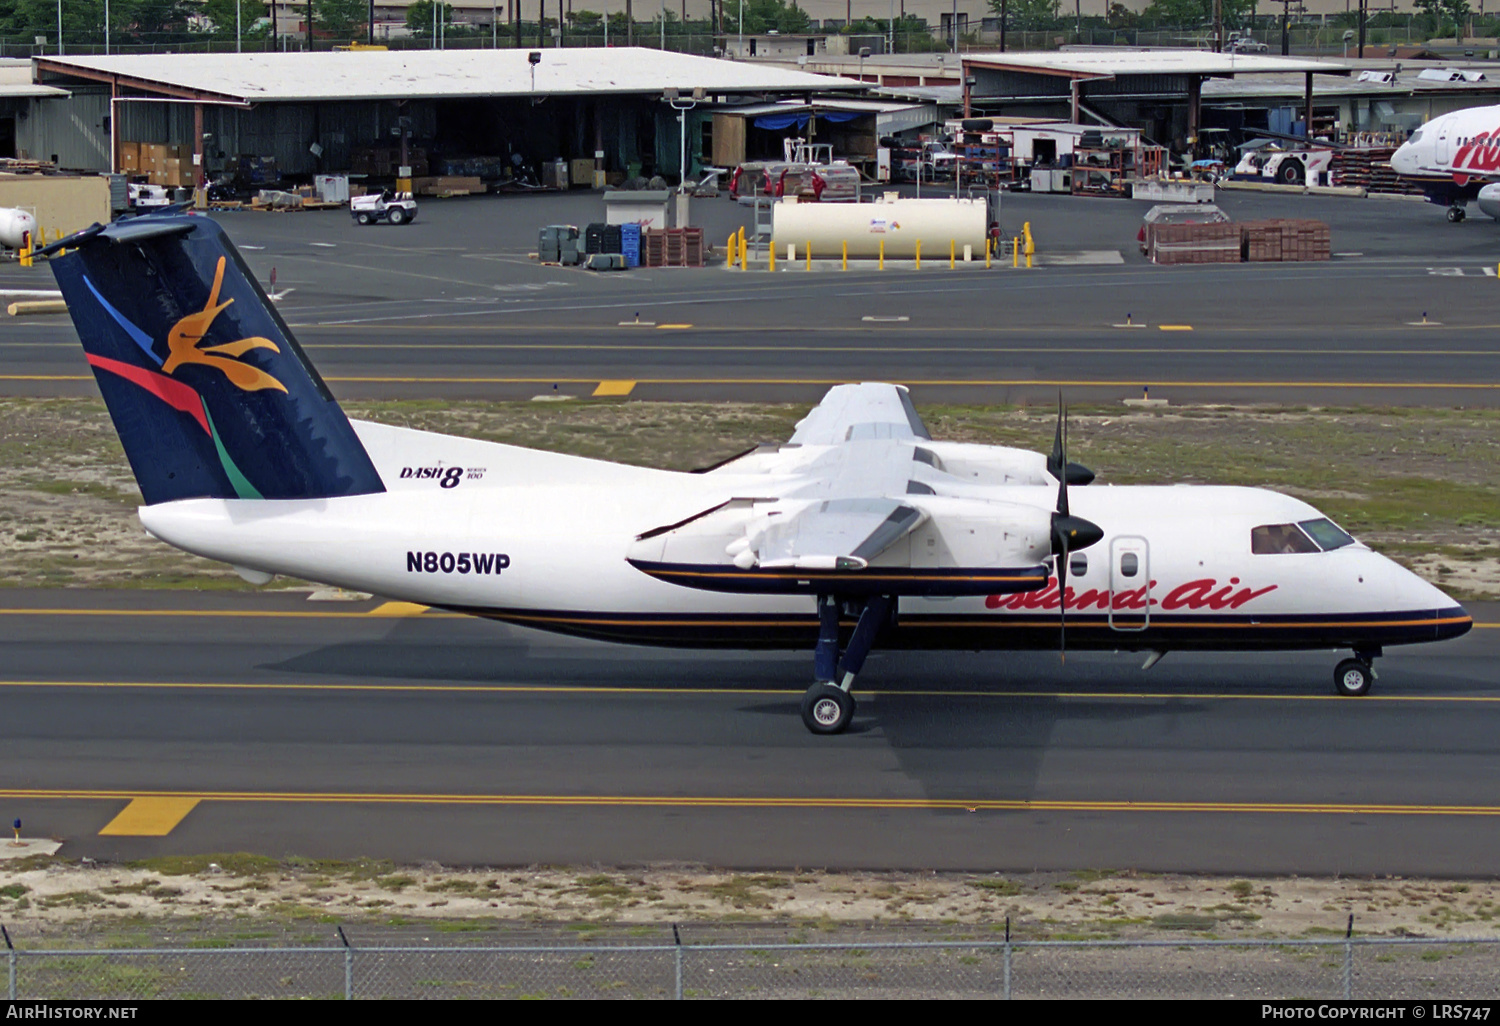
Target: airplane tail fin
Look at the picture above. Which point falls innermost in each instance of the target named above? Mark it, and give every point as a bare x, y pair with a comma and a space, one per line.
209, 392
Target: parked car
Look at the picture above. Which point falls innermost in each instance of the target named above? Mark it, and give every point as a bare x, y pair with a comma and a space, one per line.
1244, 44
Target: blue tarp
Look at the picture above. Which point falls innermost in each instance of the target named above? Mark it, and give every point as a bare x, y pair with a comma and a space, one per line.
781, 122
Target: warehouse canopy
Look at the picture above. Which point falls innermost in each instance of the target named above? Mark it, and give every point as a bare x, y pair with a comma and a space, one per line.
16, 83
431, 74
1117, 63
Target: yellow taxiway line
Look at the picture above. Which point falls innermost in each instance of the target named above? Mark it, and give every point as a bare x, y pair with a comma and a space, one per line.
150, 817
829, 382
162, 803
620, 689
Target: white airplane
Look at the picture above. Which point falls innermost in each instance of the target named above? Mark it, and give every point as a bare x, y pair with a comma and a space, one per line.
1456, 157
860, 530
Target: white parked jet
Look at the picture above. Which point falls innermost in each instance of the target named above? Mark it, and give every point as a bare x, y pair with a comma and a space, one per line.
861, 530
1456, 157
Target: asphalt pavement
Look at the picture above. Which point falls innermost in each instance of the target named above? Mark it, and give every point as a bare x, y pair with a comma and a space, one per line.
272, 724
453, 306
193, 722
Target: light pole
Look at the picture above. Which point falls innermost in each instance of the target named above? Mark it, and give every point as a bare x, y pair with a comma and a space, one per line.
59, 29
864, 51
106, 28
236, 28
672, 97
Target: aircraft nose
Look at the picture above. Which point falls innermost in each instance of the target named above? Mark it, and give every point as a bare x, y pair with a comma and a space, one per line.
1404, 161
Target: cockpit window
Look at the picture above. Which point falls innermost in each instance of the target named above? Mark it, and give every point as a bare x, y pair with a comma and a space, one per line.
1327, 534
1416, 136
1280, 539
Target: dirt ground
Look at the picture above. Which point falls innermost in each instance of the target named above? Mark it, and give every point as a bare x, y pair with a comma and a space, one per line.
52, 897
1417, 484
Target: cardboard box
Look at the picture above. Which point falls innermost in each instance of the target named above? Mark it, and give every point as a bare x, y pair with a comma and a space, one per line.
130, 156
581, 173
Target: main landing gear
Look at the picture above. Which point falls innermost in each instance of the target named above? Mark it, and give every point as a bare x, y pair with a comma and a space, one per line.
1354, 677
828, 708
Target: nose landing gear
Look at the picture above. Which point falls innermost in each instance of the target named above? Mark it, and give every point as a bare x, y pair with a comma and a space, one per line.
1457, 213
1353, 678
828, 708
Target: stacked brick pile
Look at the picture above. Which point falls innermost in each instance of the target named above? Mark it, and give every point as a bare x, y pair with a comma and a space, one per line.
1285, 239
1280, 239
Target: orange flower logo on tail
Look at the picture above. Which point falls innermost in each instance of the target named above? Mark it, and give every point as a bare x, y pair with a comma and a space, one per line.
186, 334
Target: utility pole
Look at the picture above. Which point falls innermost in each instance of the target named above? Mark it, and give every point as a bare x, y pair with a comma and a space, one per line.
309, 26
1218, 26
1002, 25
629, 24
1362, 11
1286, 31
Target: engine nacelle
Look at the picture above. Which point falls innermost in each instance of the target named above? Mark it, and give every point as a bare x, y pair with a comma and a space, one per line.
989, 464
14, 224
1489, 200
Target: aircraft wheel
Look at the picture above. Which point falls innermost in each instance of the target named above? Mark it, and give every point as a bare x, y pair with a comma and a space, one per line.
362, 218
1353, 678
827, 709
1456, 214
397, 216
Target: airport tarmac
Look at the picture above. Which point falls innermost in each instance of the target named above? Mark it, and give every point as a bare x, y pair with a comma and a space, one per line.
452, 306
141, 723
197, 722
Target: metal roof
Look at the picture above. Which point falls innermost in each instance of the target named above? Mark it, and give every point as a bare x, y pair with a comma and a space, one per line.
1113, 63
15, 81
434, 74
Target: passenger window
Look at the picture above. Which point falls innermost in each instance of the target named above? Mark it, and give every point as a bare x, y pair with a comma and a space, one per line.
1279, 539
1326, 533
1078, 564
1130, 565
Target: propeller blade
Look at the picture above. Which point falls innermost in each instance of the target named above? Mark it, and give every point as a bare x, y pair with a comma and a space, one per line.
1057, 462
1062, 600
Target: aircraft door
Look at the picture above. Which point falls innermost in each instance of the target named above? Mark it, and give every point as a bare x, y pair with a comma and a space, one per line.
1129, 584
1441, 150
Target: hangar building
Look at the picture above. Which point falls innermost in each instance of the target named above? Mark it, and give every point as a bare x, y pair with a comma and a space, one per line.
327, 112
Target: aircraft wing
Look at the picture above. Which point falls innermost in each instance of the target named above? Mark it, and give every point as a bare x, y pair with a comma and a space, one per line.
840, 534
851, 413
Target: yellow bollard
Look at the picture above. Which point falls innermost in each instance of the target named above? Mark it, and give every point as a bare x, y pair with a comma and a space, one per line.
919, 254
846, 254
771, 252
25, 252
1015, 251
744, 254
987, 247
809, 254
952, 249
882, 254
1030, 243
729, 248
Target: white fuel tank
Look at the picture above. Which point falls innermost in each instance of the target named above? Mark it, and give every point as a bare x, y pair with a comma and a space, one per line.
899, 223
14, 224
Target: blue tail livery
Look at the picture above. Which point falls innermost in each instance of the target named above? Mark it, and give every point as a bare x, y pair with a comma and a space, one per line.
210, 394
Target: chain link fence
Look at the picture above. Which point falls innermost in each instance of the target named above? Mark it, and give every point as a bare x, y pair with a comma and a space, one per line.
1335, 968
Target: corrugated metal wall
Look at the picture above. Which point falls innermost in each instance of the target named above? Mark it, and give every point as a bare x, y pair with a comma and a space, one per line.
283, 130
74, 130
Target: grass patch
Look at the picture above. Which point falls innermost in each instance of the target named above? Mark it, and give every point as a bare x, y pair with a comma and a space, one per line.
1411, 481
1184, 921
233, 863
999, 886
